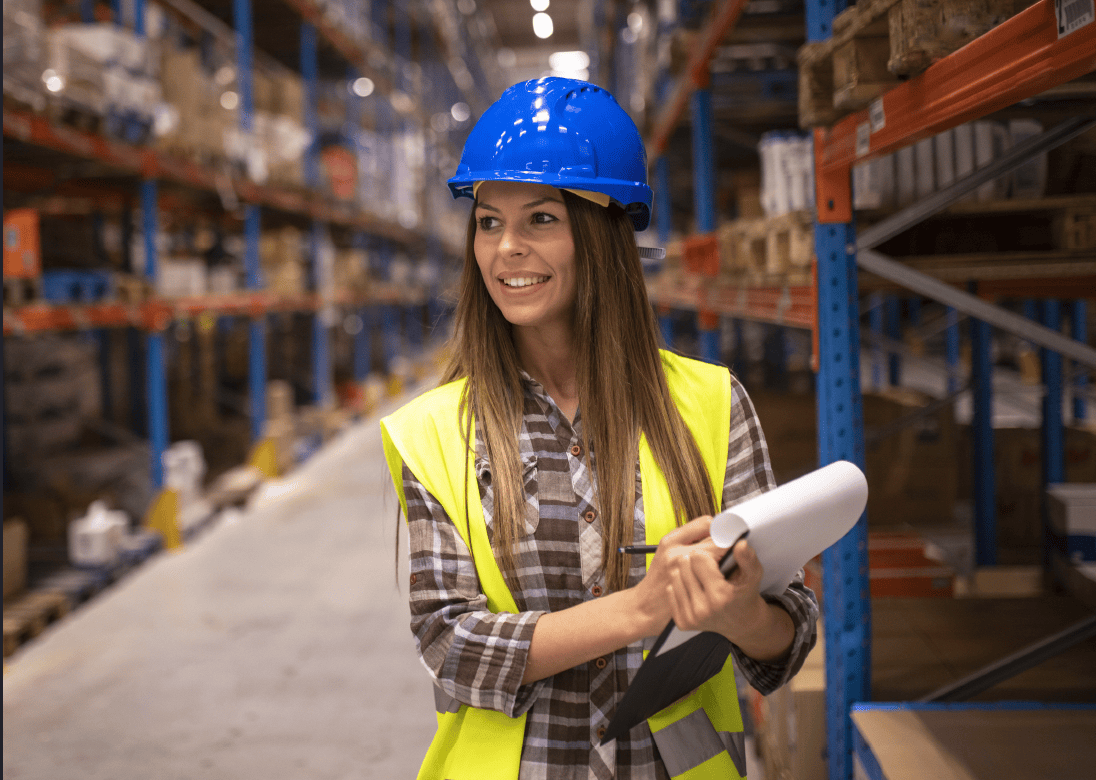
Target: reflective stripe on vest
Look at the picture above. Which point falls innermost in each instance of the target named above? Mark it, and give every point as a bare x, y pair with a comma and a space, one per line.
471, 743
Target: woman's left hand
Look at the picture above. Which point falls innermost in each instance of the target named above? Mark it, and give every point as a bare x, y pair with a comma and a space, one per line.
703, 600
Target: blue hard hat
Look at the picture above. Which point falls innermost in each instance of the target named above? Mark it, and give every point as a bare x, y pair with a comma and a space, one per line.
567, 133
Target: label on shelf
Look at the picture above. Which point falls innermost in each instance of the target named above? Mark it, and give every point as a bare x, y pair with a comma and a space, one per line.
876, 115
863, 138
1072, 15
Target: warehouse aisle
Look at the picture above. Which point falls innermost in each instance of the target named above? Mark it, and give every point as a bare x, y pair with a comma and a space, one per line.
275, 646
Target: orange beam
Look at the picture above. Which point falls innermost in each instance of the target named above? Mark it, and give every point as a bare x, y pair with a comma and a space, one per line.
1016, 60
791, 305
696, 73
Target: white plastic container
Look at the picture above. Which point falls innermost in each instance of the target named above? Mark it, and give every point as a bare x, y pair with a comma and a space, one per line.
944, 158
925, 174
1030, 179
963, 136
905, 176
96, 538
991, 140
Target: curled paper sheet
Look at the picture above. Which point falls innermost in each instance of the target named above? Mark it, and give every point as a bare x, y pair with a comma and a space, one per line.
791, 524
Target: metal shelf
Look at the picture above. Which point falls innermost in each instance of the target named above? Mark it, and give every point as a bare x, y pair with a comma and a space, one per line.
156, 314
722, 21
791, 305
1016, 60
152, 164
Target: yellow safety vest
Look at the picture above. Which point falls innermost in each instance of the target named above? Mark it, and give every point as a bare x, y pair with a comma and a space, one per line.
699, 737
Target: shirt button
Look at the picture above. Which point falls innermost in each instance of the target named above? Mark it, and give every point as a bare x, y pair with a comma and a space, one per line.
601, 663
590, 515
596, 590
576, 450
601, 733
414, 578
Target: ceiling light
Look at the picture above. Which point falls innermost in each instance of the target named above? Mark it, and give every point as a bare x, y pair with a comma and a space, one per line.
362, 87
635, 21
568, 60
229, 100
225, 75
542, 25
402, 102
539, 5
461, 112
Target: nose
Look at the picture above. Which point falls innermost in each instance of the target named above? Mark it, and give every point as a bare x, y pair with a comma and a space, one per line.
512, 241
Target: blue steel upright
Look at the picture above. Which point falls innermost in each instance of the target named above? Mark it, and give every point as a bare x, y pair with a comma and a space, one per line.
951, 349
256, 341
321, 362
155, 377
841, 437
983, 471
1079, 330
1054, 465
708, 330
664, 217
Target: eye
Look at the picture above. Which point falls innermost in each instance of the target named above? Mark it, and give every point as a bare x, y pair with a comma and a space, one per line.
486, 223
543, 218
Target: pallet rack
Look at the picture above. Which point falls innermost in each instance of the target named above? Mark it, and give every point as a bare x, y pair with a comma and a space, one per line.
386, 306
1016, 60
1012, 62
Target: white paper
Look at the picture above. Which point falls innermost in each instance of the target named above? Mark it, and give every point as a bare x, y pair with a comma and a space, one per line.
796, 521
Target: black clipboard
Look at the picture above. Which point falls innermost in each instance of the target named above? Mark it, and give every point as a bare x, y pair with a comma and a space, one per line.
672, 673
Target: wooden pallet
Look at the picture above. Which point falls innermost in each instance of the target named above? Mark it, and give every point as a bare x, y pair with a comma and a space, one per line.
29, 615
777, 250
20, 291
76, 585
877, 43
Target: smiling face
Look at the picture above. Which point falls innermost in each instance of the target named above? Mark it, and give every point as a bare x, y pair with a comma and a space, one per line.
526, 253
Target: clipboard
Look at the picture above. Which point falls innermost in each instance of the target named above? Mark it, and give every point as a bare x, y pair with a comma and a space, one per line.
786, 527
677, 663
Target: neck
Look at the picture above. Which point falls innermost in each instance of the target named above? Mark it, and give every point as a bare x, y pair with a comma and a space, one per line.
547, 355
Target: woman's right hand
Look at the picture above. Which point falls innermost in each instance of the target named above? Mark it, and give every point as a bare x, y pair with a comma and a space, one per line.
653, 605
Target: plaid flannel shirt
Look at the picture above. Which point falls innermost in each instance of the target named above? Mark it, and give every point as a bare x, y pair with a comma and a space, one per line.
478, 657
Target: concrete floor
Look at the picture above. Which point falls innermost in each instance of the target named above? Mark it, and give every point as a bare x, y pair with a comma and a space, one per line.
273, 646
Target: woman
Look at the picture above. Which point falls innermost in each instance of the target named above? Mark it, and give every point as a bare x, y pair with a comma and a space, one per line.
561, 432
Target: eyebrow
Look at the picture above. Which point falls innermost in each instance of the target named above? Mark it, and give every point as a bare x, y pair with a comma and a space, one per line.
530, 205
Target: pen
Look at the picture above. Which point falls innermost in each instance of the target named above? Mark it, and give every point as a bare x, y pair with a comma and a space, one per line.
639, 549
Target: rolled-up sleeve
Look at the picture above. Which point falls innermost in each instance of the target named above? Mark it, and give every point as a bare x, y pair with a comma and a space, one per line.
749, 474
474, 655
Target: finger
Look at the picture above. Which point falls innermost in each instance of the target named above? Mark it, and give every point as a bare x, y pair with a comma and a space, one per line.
708, 574
749, 565
698, 599
693, 531
679, 609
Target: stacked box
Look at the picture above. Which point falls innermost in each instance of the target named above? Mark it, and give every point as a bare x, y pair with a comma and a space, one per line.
1072, 510
281, 253
74, 80
128, 70
15, 557
51, 386
24, 52
203, 120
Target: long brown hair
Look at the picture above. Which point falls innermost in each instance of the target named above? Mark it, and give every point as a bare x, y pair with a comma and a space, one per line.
622, 389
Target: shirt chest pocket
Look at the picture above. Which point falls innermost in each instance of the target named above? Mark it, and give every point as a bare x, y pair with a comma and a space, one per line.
531, 501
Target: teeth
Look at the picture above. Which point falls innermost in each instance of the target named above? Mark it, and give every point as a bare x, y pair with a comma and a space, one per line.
524, 282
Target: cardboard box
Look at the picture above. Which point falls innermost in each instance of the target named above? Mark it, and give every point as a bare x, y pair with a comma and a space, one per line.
15, 557
967, 741
22, 244
791, 722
